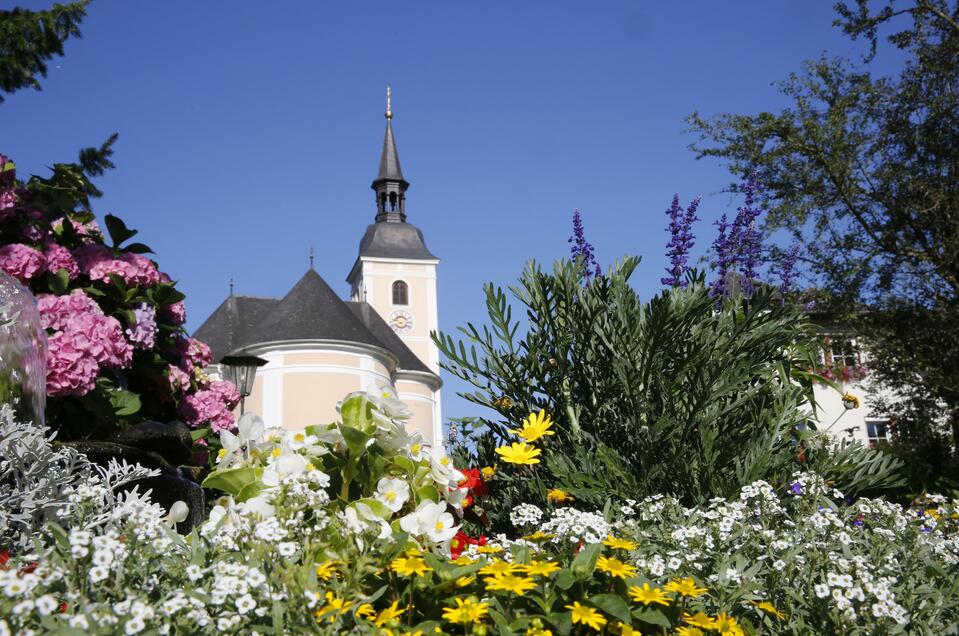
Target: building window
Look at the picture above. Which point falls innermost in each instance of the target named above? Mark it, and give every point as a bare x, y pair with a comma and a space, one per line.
401, 293
878, 432
843, 352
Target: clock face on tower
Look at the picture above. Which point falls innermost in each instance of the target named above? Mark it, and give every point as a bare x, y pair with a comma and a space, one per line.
401, 321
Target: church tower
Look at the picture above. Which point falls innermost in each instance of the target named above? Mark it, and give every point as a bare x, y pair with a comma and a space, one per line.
396, 274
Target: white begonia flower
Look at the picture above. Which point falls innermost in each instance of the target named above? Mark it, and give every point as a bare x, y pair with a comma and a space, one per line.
442, 471
300, 440
261, 505
417, 449
286, 464
457, 496
392, 492
179, 511
430, 519
250, 429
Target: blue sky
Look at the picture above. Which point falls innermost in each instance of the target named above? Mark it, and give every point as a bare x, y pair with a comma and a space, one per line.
250, 132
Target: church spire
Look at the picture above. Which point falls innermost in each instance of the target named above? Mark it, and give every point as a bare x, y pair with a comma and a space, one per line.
390, 186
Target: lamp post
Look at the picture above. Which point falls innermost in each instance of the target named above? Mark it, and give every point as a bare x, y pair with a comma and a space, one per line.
241, 370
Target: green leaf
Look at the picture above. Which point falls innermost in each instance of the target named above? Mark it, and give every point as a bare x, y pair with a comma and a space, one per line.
564, 579
355, 439
118, 230
125, 402
585, 562
232, 480
356, 411
138, 248
249, 491
613, 605
200, 432
653, 617
58, 282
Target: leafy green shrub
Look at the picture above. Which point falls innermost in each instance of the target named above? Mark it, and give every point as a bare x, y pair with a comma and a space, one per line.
679, 395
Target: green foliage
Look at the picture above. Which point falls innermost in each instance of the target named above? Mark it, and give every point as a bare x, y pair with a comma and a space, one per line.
29, 38
863, 171
674, 395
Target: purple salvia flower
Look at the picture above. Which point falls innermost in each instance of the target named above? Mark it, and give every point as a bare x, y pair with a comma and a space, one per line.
681, 240
724, 258
787, 270
143, 334
796, 488
745, 237
582, 248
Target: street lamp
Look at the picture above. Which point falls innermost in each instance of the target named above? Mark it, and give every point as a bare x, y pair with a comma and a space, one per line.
241, 370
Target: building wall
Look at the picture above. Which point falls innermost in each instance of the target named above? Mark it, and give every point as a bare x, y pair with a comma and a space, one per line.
301, 386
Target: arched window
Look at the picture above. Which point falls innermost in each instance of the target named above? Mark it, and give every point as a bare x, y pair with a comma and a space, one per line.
401, 293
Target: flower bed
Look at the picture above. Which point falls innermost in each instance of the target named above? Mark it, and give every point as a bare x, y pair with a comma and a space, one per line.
350, 528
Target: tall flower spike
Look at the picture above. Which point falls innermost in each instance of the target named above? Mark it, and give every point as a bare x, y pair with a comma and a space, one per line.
787, 270
746, 237
681, 240
582, 248
724, 258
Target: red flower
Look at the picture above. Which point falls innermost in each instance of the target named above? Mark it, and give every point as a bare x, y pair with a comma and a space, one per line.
461, 541
4, 557
473, 480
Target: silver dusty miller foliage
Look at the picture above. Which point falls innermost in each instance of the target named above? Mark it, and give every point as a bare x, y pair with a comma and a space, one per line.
39, 482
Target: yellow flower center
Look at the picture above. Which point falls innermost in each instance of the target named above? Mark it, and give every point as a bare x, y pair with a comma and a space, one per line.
299, 437
390, 496
276, 452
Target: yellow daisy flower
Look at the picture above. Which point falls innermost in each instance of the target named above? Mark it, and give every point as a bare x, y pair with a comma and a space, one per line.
699, 619
619, 544
388, 614
647, 595
556, 495
466, 611
539, 536
365, 611
727, 626
326, 570
586, 615
541, 568
685, 587
510, 583
488, 472
463, 581
536, 425
538, 631
769, 608
410, 566
615, 568
519, 453
498, 566
334, 606
489, 549
689, 631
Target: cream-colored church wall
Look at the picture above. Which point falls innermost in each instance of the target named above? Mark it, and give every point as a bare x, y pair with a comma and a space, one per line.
421, 420
415, 388
311, 398
254, 401
321, 357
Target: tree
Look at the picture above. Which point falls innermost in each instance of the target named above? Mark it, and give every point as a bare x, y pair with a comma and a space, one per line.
864, 171
29, 38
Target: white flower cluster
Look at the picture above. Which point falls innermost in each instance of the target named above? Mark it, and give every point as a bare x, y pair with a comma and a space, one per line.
573, 526
525, 515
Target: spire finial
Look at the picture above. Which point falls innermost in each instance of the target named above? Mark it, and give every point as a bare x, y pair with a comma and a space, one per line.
231, 285
311, 258
389, 92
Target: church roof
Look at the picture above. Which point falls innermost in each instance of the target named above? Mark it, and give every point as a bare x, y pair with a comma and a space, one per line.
389, 157
394, 240
309, 311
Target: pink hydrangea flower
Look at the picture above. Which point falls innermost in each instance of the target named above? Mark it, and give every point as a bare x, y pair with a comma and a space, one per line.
206, 408
175, 313
70, 369
59, 257
21, 261
192, 353
90, 232
227, 392
98, 262
99, 336
179, 379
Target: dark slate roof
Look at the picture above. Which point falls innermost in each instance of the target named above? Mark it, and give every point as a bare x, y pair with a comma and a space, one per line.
234, 323
375, 323
310, 311
313, 311
390, 158
394, 240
